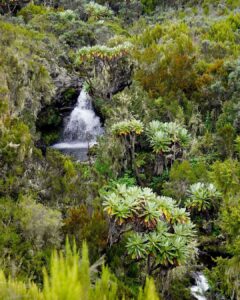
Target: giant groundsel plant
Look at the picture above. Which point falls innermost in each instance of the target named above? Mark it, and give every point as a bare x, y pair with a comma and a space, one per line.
161, 233
168, 141
127, 131
202, 197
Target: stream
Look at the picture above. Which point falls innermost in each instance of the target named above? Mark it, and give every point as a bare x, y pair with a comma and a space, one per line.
81, 129
200, 288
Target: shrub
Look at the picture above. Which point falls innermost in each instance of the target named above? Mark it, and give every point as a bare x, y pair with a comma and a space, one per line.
32, 10
96, 11
69, 279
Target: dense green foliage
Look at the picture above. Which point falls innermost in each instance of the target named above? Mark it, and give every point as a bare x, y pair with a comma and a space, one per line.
160, 231
160, 193
70, 278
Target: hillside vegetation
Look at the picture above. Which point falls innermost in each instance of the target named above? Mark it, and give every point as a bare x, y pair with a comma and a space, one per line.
159, 199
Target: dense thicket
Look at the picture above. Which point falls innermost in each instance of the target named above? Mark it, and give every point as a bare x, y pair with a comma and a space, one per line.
160, 193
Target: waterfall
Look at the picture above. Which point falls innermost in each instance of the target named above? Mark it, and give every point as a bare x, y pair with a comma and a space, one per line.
81, 129
199, 290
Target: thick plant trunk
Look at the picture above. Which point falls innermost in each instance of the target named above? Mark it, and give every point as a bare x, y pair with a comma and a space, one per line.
149, 265
159, 164
133, 159
132, 150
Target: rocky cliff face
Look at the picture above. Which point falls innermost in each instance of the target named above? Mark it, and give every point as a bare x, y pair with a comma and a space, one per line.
63, 81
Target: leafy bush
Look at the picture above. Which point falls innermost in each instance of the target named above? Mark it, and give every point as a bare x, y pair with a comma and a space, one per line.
69, 279
40, 225
32, 10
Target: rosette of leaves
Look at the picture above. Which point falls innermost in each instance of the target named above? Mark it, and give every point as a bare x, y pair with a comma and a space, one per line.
202, 197
180, 215
68, 14
177, 133
162, 135
167, 141
160, 142
163, 248
144, 206
96, 11
122, 203
160, 231
121, 128
183, 137
185, 230
118, 207
136, 246
126, 127
102, 52
151, 214
166, 205
105, 68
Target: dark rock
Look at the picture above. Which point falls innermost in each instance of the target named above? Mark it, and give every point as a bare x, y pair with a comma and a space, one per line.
63, 81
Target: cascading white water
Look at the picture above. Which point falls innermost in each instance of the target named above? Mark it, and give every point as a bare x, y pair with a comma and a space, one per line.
199, 290
81, 129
